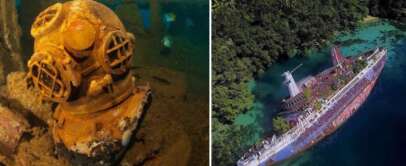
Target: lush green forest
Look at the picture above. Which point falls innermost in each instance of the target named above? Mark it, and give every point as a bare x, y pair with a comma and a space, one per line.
392, 9
250, 35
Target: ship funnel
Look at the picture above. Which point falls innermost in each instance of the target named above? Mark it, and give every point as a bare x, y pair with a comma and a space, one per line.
290, 82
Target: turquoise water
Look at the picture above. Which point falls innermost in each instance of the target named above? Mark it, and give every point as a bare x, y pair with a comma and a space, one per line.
375, 134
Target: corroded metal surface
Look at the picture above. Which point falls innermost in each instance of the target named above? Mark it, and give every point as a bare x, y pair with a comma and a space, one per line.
12, 127
81, 48
82, 56
103, 132
314, 125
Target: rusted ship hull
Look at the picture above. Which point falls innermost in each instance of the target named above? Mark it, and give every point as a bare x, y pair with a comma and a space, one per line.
332, 120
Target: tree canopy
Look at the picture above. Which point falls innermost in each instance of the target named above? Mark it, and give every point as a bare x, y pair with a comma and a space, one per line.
248, 36
392, 9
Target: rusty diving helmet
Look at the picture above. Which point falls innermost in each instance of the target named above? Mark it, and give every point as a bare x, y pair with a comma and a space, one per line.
82, 56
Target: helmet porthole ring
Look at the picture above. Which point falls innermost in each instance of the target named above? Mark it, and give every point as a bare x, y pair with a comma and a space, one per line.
116, 52
47, 77
47, 20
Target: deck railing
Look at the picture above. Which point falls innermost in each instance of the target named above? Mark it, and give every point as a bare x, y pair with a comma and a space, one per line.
306, 120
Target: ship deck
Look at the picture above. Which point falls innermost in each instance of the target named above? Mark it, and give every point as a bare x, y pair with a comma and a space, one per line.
337, 109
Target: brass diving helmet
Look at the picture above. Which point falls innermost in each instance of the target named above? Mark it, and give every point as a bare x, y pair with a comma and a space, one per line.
82, 57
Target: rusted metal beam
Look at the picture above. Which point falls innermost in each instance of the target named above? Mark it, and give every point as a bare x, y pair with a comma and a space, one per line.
12, 127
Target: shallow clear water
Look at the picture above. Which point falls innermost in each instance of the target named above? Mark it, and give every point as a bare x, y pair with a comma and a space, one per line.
372, 136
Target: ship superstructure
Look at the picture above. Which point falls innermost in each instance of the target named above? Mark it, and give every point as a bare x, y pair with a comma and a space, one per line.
319, 104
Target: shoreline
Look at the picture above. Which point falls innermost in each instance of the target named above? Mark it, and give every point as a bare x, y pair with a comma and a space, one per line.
370, 22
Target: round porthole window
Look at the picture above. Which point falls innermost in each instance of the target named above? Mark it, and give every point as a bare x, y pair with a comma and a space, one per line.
46, 20
116, 52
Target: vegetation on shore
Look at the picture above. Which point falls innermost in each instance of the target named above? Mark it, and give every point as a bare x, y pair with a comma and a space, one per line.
391, 9
248, 36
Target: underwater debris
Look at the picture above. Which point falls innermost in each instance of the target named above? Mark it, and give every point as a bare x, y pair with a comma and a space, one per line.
39, 150
12, 127
81, 61
29, 97
161, 80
